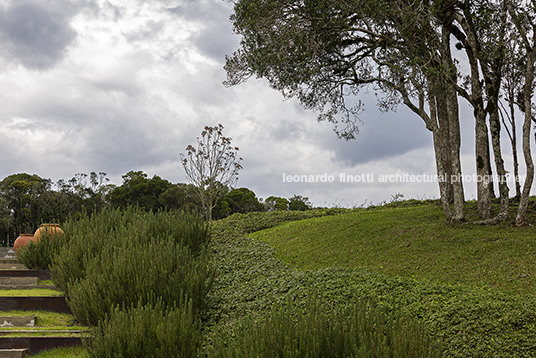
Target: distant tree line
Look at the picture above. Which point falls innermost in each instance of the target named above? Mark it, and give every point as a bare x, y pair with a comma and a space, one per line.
27, 200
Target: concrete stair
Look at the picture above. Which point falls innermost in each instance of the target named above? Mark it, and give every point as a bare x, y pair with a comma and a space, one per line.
7, 252
14, 353
20, 283
17, 321
14, 275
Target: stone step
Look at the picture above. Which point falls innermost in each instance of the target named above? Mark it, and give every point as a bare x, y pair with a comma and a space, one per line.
17, 321
18, 282
8, 260
14, 353
4, 332
12, 267
37, 344
41, 274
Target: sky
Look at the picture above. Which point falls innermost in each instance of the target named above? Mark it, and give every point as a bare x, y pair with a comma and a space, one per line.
124, 85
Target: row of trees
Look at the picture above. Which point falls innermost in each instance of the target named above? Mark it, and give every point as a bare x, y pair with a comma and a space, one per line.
325, 52
28, 200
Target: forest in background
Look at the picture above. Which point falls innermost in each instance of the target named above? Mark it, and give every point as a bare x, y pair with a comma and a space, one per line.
27, 200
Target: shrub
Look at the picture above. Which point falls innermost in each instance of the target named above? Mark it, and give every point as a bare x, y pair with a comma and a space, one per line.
39, 255
117, 229
361, 331
147, 331
143, 273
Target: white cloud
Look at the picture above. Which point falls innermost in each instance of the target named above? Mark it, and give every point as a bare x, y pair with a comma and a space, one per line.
127, 85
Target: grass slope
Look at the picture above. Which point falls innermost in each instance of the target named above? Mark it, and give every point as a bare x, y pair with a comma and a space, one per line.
471, 320
412, 242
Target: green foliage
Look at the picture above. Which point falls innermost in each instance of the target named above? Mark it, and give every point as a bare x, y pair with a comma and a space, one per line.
240, 200
140, 273
63, 352
138, 189
127, 257
38, 256
24, 196
298, 202
181, 197
158, 331
275, 203
359, 331
409, 238
256, 221
89, 235
471, 321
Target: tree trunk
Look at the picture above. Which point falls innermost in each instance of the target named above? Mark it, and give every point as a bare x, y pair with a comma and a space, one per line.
483, 170
482, 164
443, 134
453, 129
527, 91
443, 179
513, 142
501, 173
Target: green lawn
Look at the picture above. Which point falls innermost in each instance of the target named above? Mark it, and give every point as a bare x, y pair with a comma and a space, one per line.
66, 352
412, 242
31, 292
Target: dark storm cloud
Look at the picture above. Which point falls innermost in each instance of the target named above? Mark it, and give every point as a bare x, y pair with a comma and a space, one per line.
384, 135
36, 34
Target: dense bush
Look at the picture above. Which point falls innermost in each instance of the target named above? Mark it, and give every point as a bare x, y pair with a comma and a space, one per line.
88, 236
147, 331
361, 331
139, 279
38, 255
128, 257
144, 273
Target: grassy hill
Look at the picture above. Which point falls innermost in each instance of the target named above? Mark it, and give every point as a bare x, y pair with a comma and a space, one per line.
471, 285
412, 241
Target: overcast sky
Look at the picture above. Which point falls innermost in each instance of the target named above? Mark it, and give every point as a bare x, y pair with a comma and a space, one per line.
118, 86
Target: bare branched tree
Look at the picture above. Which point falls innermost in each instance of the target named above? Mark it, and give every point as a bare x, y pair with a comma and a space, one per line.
212, 167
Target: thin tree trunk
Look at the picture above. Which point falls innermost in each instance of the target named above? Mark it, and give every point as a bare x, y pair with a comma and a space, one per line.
483, 170
453, 129
513, 141
529, 76
501, 173
443, 119
482, 165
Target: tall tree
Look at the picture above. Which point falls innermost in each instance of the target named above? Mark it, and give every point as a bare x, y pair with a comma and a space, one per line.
212, 167
325, 52
21, 194
524, 15
512, 87
138, 189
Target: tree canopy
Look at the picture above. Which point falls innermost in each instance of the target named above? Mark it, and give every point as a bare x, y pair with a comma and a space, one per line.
325, 52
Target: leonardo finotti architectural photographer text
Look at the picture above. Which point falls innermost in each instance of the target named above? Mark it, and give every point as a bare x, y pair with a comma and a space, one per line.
395, 178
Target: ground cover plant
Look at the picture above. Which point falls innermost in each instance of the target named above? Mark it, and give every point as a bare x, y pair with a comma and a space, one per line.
469, 320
